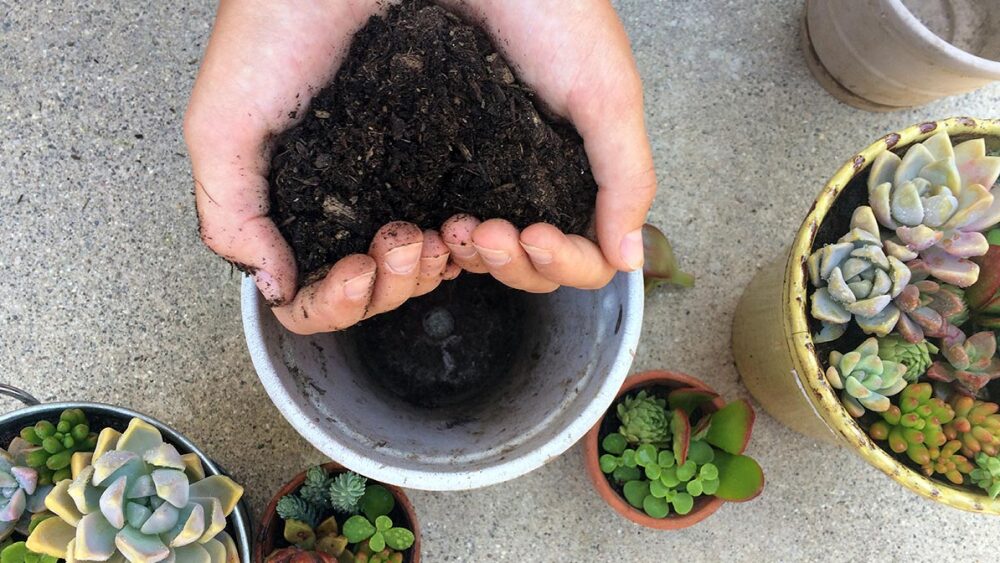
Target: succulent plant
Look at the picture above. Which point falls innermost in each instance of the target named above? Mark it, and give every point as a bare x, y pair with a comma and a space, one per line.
928, 308
346, 491
916, 424
970, 363
619, 459
948, 461
976, 425
644, 419
299, 555
21, 496
18, 552
294, 507
856, 279
53, 445
916, 356
325, 537
986, 475
316, 488
365, 555
671, 484
140, 500
866, 380
937, 199
660, 266
379, 534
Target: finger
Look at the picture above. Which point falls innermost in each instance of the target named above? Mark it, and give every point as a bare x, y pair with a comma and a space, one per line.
566, 259
457, 234
451, 271
336, 302
433, 261
397, 249
497, 244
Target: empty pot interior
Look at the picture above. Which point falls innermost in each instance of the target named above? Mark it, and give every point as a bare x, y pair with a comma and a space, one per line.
570, 341
971, 25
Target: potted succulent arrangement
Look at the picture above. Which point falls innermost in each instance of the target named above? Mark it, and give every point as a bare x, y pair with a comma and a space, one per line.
669, 452
328, 514
890, 312
90, 482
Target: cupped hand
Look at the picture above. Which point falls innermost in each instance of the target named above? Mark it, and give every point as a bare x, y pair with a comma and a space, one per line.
263, 63
577, 58
266, 59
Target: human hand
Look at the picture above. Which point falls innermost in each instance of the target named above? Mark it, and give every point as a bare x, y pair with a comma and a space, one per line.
576, 57
264, 61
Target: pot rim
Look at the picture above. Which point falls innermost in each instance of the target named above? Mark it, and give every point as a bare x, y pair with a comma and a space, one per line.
795, 296
591, 455
932, 43
509, 468
270, 516
240, 518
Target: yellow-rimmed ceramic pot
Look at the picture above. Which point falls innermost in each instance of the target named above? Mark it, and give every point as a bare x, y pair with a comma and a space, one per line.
773, 346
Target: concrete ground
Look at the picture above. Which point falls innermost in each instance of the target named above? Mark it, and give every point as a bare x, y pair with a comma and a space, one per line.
108, 295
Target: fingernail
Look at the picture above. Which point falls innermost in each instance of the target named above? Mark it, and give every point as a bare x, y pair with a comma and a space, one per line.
268, 287
403, 260
360, 287
493, 257
538, 255
463, 251
631, 249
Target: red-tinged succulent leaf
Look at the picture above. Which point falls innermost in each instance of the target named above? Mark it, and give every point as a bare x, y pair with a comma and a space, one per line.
983, 293
731, 427
740, 477
690, 398
701, 429
660, 266
680, 427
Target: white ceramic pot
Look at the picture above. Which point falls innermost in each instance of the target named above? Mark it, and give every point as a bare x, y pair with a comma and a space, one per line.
879, 55
576, 351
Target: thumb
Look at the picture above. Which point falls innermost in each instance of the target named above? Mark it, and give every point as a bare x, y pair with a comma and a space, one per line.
609, 117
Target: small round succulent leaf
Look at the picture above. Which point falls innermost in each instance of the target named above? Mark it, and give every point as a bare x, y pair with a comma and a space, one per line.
377, 501
614, 443
655, 507
399, 539
645, 455
357, 528
377, 542
609, 463
635, 492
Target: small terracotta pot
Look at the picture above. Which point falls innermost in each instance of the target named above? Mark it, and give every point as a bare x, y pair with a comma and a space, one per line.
704, 506
270, 531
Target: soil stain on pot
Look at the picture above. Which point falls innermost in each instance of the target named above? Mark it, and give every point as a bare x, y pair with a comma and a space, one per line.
424, 120
448, 347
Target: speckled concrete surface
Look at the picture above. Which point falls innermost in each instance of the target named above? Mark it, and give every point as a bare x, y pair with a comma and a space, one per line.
107, 294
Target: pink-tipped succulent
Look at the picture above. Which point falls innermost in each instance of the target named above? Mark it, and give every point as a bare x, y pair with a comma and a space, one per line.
660, 267
928, 308
970, 363
938, 199
21, 495
856, 279
949, 462
976, 425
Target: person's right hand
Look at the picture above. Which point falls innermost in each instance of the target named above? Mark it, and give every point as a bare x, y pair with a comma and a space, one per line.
264, 61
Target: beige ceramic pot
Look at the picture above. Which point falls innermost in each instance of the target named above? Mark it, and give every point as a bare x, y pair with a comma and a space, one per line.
882, 55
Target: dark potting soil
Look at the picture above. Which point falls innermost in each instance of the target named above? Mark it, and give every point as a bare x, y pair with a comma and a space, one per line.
446, 347
424, 120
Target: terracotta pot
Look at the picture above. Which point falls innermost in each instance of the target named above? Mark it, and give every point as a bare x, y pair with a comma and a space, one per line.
704, 506
773, 346
270, 531
877, 55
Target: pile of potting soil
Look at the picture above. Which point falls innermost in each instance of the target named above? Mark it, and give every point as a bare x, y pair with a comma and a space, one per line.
423, 120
